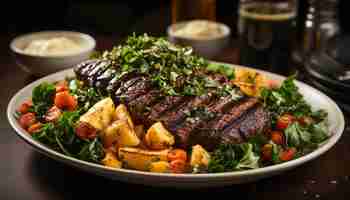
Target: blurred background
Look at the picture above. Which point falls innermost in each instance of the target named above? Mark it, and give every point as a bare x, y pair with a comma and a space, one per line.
116, 17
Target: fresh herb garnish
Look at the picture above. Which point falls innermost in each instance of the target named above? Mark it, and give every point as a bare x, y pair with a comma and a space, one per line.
42, 97
231, 157
173, 69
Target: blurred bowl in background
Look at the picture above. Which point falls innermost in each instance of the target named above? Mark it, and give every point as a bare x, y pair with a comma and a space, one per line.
43, 64
208, 38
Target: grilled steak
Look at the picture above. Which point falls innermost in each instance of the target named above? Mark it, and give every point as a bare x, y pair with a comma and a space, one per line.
189, 126
225, 121
172, 118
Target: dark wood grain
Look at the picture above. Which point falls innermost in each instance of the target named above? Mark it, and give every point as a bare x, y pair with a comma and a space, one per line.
26, 174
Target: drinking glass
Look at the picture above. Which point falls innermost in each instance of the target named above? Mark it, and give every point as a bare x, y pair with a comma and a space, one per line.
267, 30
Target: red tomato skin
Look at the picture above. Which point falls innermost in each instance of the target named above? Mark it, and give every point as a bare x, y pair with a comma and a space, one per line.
177, 166
277, 137
288, 154
64, 100
284, 121
25, 106
177, 154
27, 120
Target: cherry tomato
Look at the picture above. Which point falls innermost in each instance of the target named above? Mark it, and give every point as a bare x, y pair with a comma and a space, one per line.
85, 131
61, 86
64, 100
177, 166
27, 120
53, 114
266, 152
177, 154
288, 154
24, 107
272, 84
305, 121
284, 121
35, 127
277, 137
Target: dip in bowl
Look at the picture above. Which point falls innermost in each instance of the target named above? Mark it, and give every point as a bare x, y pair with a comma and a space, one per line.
46, 52
208, 38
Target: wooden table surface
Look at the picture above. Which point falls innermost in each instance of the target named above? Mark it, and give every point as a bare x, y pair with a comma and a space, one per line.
26, 174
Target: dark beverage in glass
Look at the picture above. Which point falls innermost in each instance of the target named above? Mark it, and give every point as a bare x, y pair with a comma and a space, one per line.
267, 32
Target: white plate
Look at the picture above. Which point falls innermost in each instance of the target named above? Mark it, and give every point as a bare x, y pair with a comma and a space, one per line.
316, 98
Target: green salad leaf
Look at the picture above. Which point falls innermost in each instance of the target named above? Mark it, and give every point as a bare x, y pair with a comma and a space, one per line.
298, 136
249, 160
231, 157
43, 96
285, 99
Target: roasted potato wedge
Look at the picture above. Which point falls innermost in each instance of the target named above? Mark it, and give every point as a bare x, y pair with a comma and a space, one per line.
121, 112
100, 115
111, 160
121, 134
250, 82
140, 159
157, 137
199, 157
159, 166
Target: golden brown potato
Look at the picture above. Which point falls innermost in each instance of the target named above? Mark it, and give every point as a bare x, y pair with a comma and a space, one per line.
199, 156
111, 160
160, 166
121, 112
249, 81
140, 159
100, 115
157, 137
120, 133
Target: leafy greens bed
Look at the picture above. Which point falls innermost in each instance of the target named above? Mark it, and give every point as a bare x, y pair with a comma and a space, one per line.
53, 116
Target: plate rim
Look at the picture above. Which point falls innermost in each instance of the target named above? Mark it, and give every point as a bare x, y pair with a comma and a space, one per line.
336, 135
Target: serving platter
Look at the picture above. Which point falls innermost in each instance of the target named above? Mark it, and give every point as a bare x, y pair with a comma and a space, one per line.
316, 98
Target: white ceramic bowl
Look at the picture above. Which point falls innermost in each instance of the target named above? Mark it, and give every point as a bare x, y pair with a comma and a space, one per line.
208, 48
47, 64
316, 98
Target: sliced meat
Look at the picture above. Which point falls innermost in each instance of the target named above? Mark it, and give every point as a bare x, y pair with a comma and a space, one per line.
172, 118
168, 103
183, 133
132, 89
103, 80
256, 121
252, 122
83, 69
95, 72
234, 113
139, 107
118, 80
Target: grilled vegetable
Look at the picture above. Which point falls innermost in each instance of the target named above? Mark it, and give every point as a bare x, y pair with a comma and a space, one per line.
158, 137
160, 167
199, 157
120, 133
111, 160
121, 112
100, 115
140, 159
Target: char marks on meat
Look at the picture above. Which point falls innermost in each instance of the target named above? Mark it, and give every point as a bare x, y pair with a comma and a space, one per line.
140, 107
189, 126
168, 103
232, 122
132, 89
174, 117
